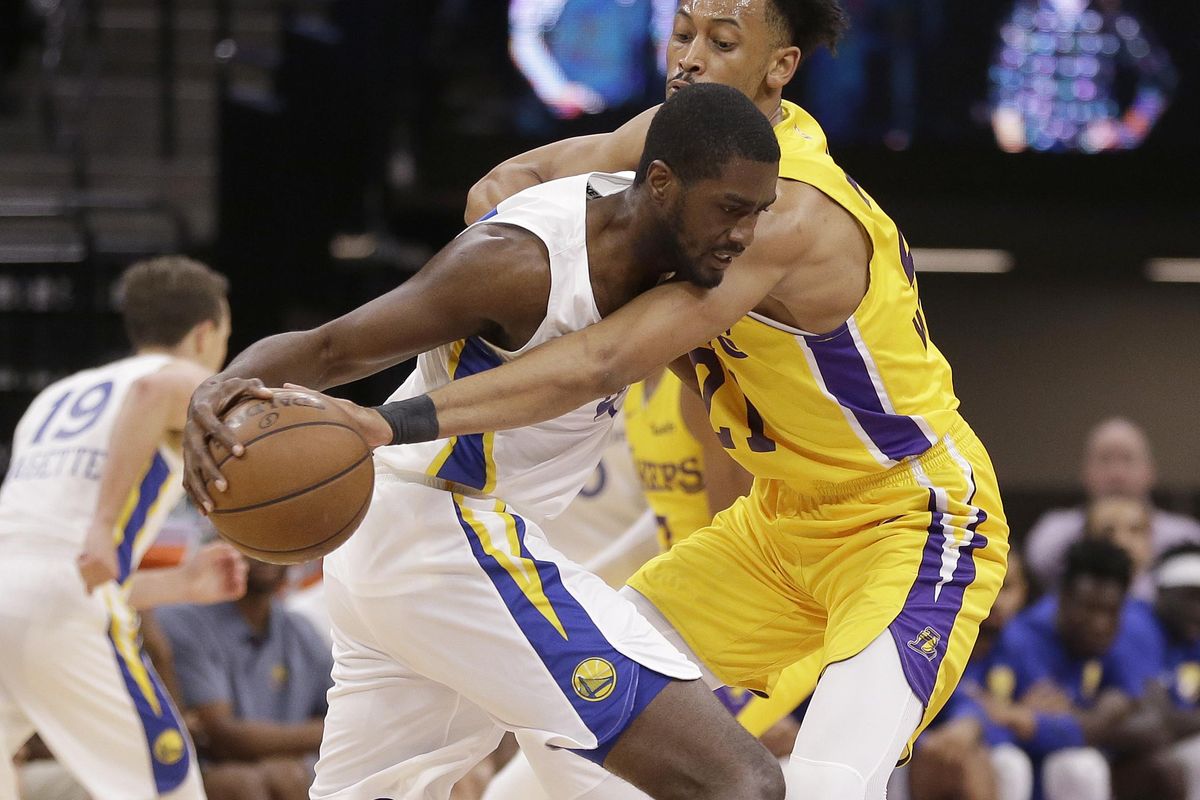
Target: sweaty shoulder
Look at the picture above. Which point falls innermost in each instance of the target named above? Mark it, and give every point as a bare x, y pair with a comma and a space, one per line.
823, 255
504, 269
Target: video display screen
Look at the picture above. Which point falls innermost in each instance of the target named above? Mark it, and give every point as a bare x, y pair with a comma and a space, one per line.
1057, 76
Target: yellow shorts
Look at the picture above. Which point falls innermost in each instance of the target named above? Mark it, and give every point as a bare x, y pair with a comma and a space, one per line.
779, 577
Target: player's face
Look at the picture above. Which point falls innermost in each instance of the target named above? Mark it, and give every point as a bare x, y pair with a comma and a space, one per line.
713, 220
720, 41
1089, 611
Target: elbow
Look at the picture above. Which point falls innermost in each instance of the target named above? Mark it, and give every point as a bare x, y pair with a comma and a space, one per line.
485, 195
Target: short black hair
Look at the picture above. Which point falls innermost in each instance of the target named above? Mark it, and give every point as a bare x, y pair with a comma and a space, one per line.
701, 127
163, 298
1100, 559
807, 24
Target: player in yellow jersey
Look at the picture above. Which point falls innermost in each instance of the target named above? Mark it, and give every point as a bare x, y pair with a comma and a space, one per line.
688, 478
874, 539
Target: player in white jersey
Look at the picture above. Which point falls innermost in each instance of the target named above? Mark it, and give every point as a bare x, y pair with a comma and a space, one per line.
454, 618
95, 469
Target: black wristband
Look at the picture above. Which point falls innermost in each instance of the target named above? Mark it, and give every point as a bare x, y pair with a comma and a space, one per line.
412, 420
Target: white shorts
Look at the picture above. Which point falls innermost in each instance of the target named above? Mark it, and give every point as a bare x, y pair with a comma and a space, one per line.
73, 671
453, 619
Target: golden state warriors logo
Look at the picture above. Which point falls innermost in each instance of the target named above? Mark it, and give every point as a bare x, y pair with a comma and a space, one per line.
169, 747
926, 643
594, 679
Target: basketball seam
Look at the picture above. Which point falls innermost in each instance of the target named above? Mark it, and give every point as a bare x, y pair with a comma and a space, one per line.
296, 493
311, 545
293, 426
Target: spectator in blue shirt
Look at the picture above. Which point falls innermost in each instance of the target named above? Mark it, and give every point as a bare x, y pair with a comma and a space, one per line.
1068, 674
255, 676
1172, 706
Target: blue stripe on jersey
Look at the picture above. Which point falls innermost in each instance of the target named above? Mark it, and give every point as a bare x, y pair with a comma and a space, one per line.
148, 492
846, 377
170, 753
931, 608
467, 463
621, 700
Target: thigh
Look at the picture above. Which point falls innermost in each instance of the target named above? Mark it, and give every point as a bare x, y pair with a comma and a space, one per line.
486, 607
391, 731
922, 559
856, 728
86, 686
731, 595
795, 685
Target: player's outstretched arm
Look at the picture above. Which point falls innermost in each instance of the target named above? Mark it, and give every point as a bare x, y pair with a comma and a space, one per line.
490, 280
155, 406
599, 360
604, 152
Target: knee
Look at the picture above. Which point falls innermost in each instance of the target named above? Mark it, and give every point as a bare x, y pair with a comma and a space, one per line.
1079, 773
825, 779
761, 779
1014, 771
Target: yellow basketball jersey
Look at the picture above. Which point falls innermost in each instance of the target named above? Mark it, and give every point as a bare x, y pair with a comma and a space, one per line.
819, 409
669, 460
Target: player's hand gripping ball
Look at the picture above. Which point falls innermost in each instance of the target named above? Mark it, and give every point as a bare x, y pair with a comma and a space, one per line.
303, 483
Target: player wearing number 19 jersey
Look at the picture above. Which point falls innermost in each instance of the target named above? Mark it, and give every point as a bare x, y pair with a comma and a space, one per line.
95, 463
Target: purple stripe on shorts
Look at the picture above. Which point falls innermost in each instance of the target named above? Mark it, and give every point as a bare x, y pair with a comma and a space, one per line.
922, 628
846, 377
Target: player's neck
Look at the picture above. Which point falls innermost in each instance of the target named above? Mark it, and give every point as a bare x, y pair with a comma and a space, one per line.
616, 255
181, 352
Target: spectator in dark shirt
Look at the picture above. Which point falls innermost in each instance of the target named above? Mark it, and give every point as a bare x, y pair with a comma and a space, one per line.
256, 676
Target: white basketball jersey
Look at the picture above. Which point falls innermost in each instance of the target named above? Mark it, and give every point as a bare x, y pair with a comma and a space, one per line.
540, 468
58, 457
608, 504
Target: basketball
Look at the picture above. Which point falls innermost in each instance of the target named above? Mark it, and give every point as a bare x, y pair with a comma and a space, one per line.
302, 485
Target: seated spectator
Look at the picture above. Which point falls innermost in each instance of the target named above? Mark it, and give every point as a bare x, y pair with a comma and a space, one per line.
1117, 461
1068, 672
255, 676
1172, 706
966, 756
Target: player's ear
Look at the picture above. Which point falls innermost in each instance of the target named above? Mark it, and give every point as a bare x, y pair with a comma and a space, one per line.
659, 179
783, 65
201, 333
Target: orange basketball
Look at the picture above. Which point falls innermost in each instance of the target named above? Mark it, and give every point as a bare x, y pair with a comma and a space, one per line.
302, 485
